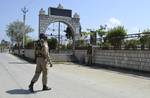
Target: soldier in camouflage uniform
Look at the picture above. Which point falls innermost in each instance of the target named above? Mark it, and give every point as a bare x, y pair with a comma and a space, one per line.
42, 60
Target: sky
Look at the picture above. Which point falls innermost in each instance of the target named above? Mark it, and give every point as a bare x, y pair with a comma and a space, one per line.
134, 15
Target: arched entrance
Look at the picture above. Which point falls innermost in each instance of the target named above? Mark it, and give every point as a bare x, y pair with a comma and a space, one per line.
60, 37
60, 15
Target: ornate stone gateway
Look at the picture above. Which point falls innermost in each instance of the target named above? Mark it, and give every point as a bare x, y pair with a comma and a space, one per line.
60, 15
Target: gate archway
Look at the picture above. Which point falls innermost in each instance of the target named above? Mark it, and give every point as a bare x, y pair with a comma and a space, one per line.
60, 14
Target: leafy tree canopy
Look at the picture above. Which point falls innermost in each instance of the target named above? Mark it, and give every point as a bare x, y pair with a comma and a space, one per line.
116, 36
69, 33
16, 29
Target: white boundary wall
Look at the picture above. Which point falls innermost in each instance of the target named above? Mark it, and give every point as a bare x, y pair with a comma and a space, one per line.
131, 59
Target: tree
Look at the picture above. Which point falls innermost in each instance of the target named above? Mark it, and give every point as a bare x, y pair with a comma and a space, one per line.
69, 45
84, 35
105, 45
5, 43
80, 43
28, 39
30, 45
52, 43
69, 33
131, 44
145, 38
102, 31
116, 36
83, 40
15, 31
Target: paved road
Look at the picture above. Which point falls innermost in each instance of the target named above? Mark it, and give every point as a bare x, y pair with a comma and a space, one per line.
69, 81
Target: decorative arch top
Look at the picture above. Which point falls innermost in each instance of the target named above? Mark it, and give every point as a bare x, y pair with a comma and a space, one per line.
58, 15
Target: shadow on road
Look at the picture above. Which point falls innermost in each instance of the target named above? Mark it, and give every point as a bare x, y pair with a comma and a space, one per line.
18, 62
19, 91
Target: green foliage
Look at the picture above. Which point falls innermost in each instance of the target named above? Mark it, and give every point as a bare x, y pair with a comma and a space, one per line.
1, 45
52, 43
27, 39
69, 33
145, 38
105, 45
66, 47
116, 36
30, 45
132, 44
102, 30
69, 46
80, 43
84, 35
63, 47
16, 29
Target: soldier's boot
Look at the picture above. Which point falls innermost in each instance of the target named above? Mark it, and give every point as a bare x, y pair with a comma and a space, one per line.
46, 88
31, 87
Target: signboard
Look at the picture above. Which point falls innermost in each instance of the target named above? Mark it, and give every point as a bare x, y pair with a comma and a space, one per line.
60, 12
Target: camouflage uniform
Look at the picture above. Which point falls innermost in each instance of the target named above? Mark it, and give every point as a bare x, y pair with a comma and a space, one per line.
42, 61
89, 55
42, 64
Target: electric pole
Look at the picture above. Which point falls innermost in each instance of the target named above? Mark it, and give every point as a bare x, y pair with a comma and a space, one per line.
58, 37
24, 10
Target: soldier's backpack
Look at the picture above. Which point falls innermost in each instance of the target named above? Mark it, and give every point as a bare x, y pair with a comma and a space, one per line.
39, 45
